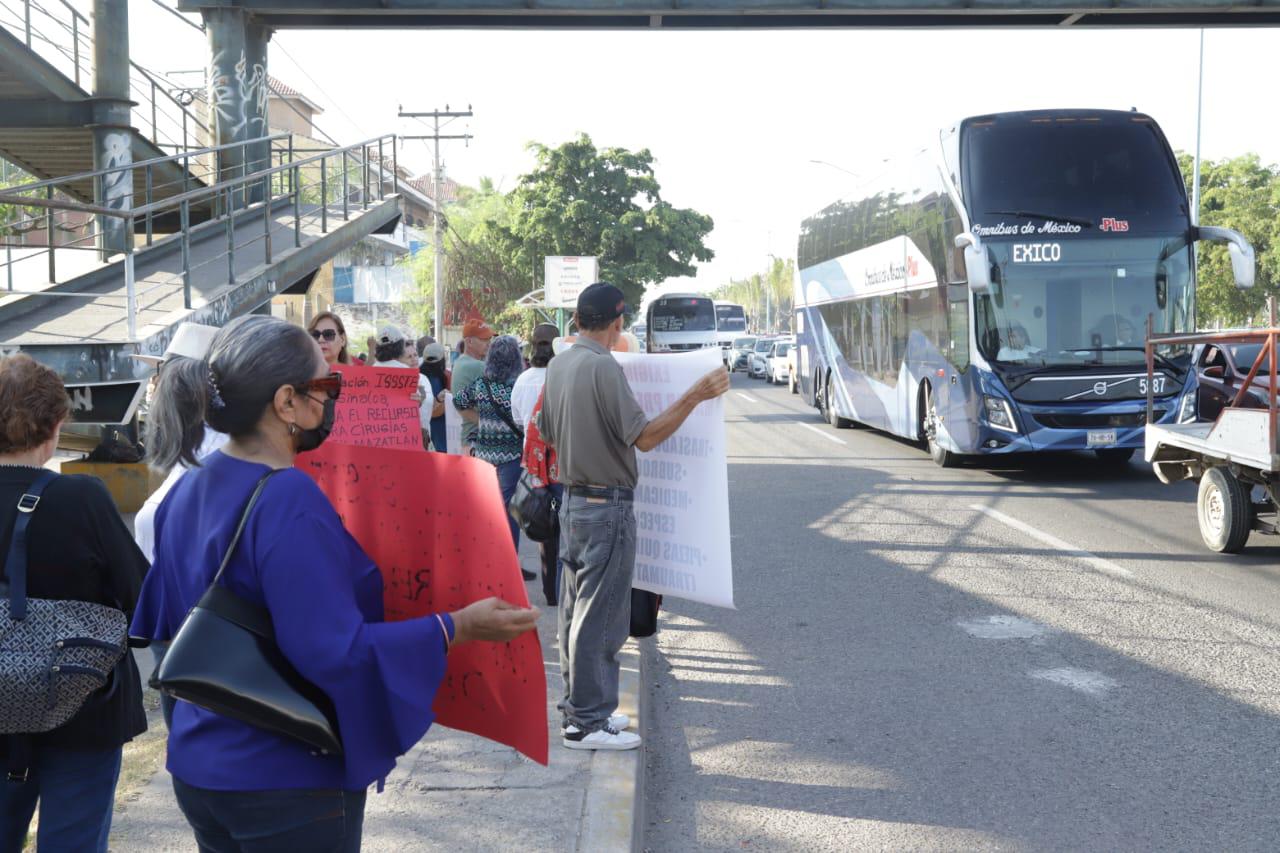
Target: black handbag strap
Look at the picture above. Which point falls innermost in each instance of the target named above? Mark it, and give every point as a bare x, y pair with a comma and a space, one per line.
244, 521
15, 565
507, 419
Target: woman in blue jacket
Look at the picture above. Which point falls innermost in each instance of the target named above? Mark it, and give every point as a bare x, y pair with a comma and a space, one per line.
266, 384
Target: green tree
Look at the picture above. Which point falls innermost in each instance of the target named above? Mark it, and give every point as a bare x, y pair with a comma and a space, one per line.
766, 296
581, 200
1243, 194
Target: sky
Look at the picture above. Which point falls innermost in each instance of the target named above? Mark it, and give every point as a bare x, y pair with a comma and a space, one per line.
735, 119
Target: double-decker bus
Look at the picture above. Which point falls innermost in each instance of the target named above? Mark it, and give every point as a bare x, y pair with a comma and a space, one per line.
677, 322
990, 293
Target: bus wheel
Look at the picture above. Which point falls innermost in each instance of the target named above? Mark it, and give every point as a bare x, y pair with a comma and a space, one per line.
832, 418
1115, 455
1224, 511
940, 455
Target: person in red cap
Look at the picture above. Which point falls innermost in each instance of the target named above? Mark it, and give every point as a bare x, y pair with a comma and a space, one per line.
469, 367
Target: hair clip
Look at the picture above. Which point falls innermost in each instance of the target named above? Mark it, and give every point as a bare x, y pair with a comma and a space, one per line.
215, 393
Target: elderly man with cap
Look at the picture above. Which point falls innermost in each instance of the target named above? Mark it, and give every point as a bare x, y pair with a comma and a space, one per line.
591, 417
469, 366
390, 352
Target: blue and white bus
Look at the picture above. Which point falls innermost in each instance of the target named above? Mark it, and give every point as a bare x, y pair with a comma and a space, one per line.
990, 293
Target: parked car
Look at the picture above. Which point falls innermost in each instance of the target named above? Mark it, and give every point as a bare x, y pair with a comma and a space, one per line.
777, 368
759, 357
1221, 369
793, 367
742, 348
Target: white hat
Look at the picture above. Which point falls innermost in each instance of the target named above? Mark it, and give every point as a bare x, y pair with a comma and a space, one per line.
191, 340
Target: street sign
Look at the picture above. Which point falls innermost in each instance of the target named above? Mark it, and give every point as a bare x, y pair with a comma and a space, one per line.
564, 279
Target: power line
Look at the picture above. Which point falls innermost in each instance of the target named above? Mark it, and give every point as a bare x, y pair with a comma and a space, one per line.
336, 104
435, 116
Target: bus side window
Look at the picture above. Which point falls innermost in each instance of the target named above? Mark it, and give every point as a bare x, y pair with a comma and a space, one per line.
958, 325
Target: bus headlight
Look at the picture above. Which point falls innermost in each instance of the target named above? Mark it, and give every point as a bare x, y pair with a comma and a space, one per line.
1187, 409
999, 415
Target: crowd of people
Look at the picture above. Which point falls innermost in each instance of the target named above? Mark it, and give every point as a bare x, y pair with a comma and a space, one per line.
231, 409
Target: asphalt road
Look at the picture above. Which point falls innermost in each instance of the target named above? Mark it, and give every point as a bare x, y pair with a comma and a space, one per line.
1038, 657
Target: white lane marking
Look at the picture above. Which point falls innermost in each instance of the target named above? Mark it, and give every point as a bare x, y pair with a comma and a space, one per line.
1105, 566
1084, 680
827, 436
747, 397
1004, 628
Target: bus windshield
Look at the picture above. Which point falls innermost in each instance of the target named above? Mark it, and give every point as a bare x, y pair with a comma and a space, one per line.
686, 314
1084, 301
1073, 170
730, 318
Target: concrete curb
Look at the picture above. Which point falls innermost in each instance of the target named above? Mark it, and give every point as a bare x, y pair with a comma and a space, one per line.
612, 815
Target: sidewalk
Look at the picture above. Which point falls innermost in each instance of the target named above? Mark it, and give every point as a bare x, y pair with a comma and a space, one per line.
455, 791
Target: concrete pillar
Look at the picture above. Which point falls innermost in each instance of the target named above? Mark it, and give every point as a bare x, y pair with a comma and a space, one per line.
238, 92
112, 136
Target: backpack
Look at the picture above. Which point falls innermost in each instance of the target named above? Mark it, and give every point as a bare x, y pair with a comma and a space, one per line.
53, 654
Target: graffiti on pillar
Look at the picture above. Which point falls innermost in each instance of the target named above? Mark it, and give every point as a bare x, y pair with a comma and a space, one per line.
240, 99
117, 186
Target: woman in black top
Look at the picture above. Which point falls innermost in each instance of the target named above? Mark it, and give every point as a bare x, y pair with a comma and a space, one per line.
78, 549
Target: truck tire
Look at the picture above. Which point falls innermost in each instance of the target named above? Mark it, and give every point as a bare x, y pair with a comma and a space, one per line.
1223, 510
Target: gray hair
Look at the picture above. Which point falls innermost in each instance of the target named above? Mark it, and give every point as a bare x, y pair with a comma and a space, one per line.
230, 389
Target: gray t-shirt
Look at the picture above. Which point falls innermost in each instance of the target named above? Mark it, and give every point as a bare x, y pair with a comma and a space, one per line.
591, 417
466, 370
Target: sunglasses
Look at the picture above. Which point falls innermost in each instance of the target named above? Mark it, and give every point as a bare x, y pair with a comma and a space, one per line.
330, 335
330, 385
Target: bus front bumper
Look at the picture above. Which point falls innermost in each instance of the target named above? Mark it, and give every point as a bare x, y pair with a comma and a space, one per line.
1057, 426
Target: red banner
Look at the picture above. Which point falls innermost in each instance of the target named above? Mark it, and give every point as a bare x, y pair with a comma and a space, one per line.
375, 410
436, 526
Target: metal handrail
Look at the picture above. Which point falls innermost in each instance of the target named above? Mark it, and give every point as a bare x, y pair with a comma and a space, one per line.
184, 123
168, 158
1267, 353
226, 199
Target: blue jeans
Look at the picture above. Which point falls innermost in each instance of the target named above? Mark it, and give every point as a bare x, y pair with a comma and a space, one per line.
75, 789
508, 476
598, 538
311, 820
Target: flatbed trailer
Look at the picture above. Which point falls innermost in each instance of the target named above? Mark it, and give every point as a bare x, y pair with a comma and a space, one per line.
1235, 458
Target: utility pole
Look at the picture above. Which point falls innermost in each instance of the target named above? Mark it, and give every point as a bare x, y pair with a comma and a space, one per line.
435, 137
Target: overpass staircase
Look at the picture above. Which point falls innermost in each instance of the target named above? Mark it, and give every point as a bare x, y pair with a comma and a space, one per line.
47, 112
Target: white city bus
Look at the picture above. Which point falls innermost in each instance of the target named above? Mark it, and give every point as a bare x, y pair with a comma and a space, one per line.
677, 322
731, 323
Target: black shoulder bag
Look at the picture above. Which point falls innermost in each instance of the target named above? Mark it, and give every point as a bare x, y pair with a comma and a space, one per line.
54, 653
225, 659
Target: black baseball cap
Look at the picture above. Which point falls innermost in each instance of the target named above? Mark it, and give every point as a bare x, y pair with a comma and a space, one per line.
545, 333
600, 303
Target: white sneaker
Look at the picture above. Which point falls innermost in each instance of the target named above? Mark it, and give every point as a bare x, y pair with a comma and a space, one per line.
621, 722
606, 738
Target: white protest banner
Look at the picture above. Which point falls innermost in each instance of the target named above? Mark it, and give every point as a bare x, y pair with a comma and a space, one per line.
452, 425
682, 499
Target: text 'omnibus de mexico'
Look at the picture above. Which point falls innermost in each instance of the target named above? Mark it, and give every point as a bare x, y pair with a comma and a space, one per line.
990, 293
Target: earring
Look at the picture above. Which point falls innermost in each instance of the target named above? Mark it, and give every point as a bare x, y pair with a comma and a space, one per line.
293, 429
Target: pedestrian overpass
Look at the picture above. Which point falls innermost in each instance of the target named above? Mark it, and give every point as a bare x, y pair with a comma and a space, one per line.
739, 14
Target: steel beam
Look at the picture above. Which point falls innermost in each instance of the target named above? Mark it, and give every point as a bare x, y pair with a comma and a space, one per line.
742, 14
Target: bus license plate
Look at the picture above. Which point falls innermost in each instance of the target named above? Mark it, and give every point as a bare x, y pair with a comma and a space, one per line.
1100, 438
